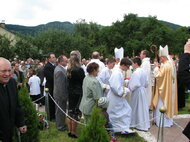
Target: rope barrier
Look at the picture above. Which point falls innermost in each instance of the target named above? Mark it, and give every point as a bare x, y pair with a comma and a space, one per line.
65, 112
178, 125
132, 126
38, 99
85, 124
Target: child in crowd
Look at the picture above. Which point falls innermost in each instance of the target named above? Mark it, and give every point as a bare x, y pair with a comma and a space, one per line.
34, 85
103, 104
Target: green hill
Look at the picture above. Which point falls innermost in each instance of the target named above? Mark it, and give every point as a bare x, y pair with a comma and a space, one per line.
27, 30
66, 26
173, 26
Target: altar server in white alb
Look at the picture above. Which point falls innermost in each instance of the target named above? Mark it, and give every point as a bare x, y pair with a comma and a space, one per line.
105, 75
139, 102
118, 109
146, 66
164, 94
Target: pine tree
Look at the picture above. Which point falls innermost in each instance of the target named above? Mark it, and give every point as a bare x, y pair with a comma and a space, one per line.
95, 131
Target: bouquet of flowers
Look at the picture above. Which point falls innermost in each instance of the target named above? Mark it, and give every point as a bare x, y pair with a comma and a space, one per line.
43, 123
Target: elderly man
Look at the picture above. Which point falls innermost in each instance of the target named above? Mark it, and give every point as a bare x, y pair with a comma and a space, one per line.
163, 95
10, 112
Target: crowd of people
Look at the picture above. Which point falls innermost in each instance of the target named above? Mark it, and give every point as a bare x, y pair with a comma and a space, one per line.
130, 88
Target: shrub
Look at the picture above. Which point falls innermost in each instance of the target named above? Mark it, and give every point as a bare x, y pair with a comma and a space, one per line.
30, 116
95, 131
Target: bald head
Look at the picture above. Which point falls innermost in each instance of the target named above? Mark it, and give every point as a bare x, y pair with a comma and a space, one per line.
4, 61
95, 55
5, 70
187, 46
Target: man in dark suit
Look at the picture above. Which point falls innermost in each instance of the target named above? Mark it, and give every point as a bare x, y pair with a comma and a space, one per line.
60, 92
10, 112
48, 74
183, 75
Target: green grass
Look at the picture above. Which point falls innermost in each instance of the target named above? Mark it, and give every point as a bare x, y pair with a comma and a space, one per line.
186, 109
53, 135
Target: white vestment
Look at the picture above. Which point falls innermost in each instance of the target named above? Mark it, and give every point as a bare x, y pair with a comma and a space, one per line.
118, 109
103, 78
139, 102
146, 66
168, 122
100, 63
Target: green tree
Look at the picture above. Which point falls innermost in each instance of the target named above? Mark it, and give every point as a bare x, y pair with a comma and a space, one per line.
30, 116
53, 40
95, 131
6, 48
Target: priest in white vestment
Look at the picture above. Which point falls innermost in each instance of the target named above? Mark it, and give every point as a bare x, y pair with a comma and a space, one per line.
146, 66
118, 109
139, 102
164, 94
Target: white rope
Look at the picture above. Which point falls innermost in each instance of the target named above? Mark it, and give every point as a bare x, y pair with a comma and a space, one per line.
38, 99
178, 125
175, 123
65, 112
133, 126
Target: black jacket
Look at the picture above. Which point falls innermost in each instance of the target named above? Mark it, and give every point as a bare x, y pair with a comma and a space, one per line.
14, 115
184, 69
49, 75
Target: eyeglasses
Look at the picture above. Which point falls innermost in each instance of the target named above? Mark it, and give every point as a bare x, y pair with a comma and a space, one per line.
4, 71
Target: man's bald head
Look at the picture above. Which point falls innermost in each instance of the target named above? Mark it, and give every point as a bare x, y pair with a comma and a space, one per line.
95, 55
3, 60
5, 70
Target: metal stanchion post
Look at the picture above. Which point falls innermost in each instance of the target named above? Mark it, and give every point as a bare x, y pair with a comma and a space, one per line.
162, 110
47, 104
37, 107
18, 133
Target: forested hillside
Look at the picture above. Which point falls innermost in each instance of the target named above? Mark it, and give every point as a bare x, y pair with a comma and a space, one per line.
133, 33
66, 26
26, 30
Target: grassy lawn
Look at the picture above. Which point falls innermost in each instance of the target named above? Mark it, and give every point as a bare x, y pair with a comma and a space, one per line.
186, 109
53, 135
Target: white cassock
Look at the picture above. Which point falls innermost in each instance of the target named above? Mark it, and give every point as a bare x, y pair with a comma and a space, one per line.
118, 109
100, 63
139, 104
103, 78
146, 66
168, 122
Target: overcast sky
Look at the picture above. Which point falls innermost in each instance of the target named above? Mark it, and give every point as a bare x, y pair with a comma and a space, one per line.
104, 12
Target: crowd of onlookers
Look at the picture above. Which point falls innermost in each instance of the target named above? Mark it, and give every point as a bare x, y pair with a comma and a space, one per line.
78, 85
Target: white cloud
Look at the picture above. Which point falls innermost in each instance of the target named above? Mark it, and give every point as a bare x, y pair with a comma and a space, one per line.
34, 12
